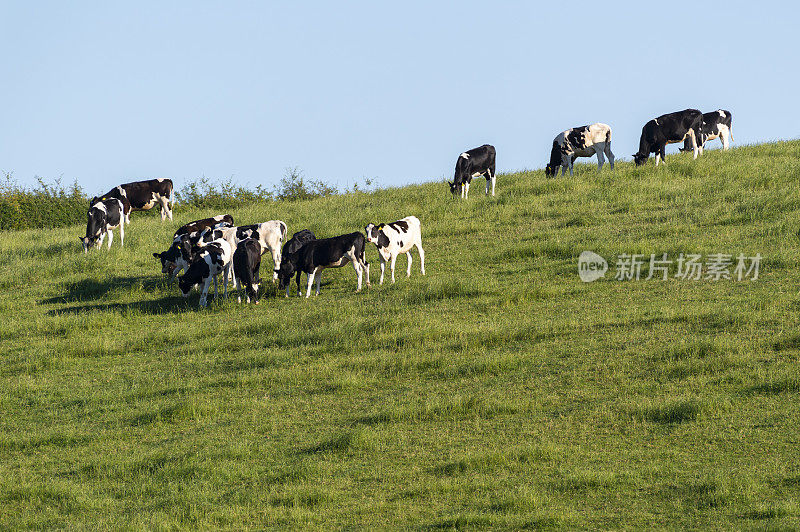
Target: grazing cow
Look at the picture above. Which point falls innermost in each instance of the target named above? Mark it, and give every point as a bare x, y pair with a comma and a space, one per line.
179, 255
474, 163
213, 259
669, 129
103, 217
583, 141
316, 255
269, 234
142, 196
297, 241
395, 238
219, 221
246, 265
716, 124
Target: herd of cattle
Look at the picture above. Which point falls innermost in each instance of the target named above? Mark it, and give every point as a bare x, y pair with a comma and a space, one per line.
205, 249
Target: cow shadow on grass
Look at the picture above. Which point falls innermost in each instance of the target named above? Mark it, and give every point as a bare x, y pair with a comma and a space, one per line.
165, 305
89, 289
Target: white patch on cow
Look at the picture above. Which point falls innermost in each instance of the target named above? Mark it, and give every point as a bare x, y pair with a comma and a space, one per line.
100, 206
655, 120
476, 174
465, 155
160, 179
721, 113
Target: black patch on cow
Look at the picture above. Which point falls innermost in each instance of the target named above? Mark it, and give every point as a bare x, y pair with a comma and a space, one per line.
383, 240
399, 226
576, 139
205, 223
297, 241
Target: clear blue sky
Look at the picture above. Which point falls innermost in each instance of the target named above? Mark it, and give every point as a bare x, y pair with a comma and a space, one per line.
107, 92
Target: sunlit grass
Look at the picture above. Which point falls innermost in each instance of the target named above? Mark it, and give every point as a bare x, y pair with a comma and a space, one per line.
497, 391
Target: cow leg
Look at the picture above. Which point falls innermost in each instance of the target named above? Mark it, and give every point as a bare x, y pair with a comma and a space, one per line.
610, 155
694, 143
121, 235
408, 268
494, 177
421, 257
466, 190
226, 273
204, 293
100, 242
299, 274
600, 159
569, 164
319, 281
110, 238
658, 154
276, 258
310, 282
359, 272
394, 259
383, 269
488, 179
664, 154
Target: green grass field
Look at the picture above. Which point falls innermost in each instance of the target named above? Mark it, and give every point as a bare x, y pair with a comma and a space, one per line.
497, 391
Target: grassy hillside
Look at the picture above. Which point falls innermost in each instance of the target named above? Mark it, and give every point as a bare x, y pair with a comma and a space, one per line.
499, 390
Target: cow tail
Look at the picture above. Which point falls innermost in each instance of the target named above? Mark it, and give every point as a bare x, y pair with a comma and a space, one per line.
608, 137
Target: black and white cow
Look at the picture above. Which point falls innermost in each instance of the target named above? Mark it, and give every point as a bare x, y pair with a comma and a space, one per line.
142, 196
246, 265
716, 124
474, 163
179, 255
214, 258
316, 255
583, 141
669, 129
395, 238
269, 234
103, 217
219, 221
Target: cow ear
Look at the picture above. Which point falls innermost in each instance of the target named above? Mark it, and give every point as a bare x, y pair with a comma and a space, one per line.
157, 255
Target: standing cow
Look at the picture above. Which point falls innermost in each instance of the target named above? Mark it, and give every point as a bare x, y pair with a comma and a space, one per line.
716, 124
142, 196
395, 238
316, 255
103, 217
246, 266
583, 141
474, 163
669, 129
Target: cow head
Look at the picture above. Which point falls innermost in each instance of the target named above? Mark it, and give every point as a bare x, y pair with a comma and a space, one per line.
373, 232
453, 188
640, 159
185, 285
550, 170
87, 242
285, 273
